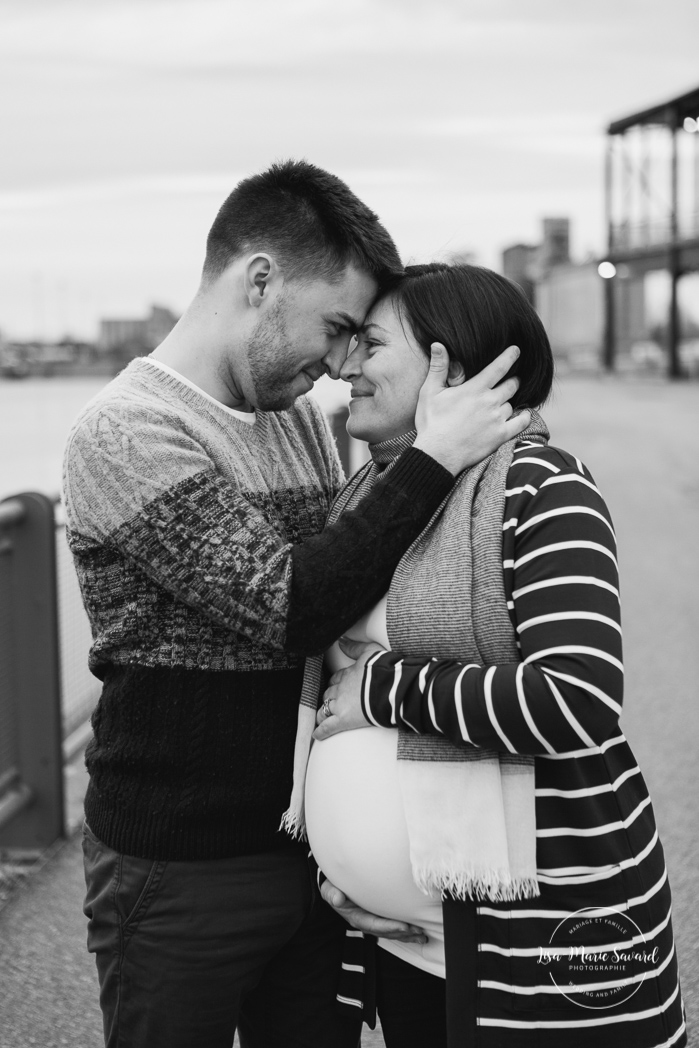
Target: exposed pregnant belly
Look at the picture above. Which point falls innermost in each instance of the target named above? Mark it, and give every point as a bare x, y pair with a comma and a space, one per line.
357, 831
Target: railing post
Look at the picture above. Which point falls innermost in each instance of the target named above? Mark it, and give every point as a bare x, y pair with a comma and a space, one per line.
609, 348
609, 344
34, 808
674, 334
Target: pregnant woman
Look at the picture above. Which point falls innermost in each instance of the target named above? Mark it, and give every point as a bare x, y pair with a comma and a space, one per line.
491, 798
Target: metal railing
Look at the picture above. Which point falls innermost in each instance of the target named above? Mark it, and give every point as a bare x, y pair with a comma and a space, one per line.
46, 691
653, 233
79, 689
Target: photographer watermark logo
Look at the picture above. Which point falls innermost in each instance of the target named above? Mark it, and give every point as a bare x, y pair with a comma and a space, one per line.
598, 958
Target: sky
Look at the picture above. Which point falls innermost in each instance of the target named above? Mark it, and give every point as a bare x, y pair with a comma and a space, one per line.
125, 123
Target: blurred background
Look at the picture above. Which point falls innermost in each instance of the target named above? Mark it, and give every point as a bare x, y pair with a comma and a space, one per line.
555, 142
475, 128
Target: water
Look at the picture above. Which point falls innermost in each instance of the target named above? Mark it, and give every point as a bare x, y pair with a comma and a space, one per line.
36, 415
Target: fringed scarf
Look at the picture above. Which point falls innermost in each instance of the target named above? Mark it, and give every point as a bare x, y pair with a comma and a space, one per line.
469, 811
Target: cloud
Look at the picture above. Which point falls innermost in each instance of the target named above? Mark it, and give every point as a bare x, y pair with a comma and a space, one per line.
460, 122
106, 190
217, 184
191, 34
569, 134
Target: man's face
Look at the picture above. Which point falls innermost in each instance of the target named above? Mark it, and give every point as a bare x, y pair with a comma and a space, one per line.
304, 334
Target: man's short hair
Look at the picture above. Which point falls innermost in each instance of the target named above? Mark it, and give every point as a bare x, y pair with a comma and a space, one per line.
308, 220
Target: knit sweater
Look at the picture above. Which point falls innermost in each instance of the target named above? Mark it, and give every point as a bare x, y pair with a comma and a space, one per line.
597, 842
196, 539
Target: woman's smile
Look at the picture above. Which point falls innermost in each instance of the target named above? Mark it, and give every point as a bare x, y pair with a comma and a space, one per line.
386, 369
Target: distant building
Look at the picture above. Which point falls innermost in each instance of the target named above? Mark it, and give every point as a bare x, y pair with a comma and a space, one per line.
519, 264
159, 325
115, 334
67, 357
528, 264
127, 337
555, 248
568, 296
570, 302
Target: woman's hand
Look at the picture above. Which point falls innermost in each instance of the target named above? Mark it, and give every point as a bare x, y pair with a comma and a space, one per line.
342, 706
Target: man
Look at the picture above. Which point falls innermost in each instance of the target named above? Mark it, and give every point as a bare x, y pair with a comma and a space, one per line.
197, 486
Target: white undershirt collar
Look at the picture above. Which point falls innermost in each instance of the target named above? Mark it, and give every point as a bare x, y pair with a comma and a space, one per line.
244, 416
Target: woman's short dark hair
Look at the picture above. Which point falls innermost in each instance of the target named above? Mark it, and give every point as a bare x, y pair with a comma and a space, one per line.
309, 220
477, 313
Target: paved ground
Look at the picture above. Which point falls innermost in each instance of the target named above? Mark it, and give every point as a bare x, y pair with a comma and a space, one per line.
641, 440
49, 988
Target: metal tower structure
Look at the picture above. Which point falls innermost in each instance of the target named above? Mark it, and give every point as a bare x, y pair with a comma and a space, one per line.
652, 208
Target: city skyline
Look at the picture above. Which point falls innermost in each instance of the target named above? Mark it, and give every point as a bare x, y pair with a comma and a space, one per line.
462, 123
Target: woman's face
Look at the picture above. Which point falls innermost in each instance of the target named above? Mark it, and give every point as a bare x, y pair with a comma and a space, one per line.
386, 369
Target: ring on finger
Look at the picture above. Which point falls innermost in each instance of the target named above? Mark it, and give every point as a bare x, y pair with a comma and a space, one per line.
326, 707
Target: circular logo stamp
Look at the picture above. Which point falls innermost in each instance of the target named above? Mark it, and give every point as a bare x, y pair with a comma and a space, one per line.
597, 958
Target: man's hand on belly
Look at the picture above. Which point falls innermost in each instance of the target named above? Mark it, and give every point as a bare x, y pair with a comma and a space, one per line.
369, 923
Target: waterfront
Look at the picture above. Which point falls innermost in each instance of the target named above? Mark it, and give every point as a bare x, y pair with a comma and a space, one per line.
35, 416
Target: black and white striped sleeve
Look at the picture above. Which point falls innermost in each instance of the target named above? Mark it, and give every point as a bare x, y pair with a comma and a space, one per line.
561, 579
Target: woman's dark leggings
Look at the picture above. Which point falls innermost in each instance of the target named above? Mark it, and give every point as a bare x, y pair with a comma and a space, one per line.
411, 1004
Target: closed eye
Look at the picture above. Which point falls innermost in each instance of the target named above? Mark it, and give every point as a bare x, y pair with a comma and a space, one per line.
371, 344
341, 331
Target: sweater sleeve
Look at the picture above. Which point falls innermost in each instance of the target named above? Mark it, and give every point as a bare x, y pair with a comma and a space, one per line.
163, 505
561, 577
342, 572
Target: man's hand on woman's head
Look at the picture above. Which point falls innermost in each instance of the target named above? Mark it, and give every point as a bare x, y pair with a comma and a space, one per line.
461, 425
341, 709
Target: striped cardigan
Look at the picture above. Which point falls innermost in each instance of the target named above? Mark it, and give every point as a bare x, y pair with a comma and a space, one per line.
597, 844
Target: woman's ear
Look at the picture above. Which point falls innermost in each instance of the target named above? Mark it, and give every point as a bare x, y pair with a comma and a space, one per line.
456, 373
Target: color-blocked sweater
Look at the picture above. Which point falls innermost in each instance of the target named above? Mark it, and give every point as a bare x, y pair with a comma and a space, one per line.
196, 539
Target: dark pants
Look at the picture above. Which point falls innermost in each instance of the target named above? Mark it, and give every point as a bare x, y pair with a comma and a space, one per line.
189, 951
411, 1004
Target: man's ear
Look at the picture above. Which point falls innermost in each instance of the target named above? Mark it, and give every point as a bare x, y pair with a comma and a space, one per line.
261, 271
455, 374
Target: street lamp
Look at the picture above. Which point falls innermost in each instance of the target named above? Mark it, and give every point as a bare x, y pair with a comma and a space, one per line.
606, 270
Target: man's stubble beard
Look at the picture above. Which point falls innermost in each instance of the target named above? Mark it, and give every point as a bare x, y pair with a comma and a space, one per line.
267, 353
